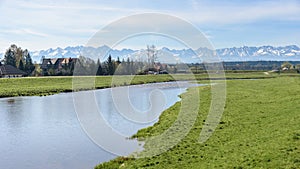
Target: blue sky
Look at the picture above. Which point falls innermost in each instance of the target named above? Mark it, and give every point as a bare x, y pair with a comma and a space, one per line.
37, 25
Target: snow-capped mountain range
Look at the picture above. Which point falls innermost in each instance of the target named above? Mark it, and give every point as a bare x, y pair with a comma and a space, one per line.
245, 53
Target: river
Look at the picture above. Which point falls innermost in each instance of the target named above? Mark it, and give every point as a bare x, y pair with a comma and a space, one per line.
44, 132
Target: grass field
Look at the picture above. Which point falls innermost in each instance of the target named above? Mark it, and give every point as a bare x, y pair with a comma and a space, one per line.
260, 128
51, 85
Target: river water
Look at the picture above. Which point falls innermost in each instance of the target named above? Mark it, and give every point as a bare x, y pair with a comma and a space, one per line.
44, 132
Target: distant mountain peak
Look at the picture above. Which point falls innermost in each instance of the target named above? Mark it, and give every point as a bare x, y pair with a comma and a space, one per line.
243, 53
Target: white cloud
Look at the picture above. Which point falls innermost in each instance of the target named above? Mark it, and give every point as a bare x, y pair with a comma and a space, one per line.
242, 12
35, 33
24, 32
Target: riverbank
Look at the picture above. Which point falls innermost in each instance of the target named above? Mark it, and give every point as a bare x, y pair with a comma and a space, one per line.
259, 129
42, 86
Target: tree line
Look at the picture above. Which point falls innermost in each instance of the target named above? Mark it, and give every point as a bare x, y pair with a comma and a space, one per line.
22, 60
250, 66
87, 66
19, 58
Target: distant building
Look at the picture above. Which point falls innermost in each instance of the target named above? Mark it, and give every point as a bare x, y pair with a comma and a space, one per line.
57, 64
285, 68
8, 71
157, 68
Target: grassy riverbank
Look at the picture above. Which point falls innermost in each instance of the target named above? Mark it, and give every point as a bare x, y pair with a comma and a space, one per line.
51, 85
41, 86
260, 128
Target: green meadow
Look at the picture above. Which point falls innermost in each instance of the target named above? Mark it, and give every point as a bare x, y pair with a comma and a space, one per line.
41, 86
260, 128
